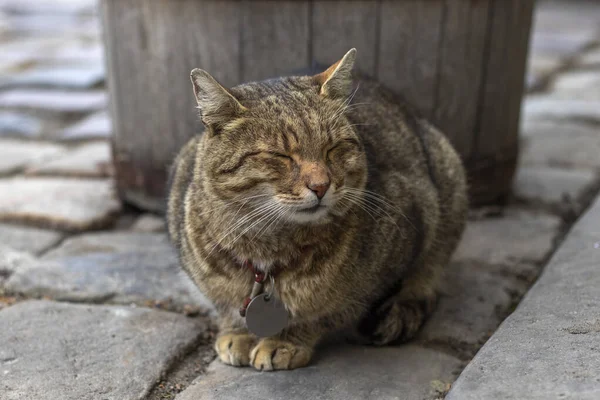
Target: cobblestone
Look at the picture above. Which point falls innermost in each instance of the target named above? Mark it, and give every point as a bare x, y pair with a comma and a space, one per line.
19, 124
10, 260
124, 278
590, 59
72, 77
341, 372
551, 185
16, 155
583, 85
54, 100
473, 301
548, 348
564, 145
149, 223
74, 352
119, 267
67, 204
28, 239
95, 126
544, 107
91, 160
517, 236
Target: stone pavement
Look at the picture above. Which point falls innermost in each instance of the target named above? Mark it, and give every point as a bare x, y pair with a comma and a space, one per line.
92, 304
548, 348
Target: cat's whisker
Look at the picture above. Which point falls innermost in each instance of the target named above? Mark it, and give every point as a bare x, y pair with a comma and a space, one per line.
345, 106
347, 101
268, 222
373, 206
345, 109
377, 197
395, 208
265, 216
278, 214
258, 213
230, 203
361, 206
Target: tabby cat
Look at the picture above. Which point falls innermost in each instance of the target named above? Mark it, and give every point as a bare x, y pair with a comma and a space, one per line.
330, 185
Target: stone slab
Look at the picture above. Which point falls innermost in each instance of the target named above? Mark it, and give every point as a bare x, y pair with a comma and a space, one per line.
517, 236
539, 68
111, 242
580, 85
16, 155
69, 7
135, 277
10, 260
19, 124
119, 267
60, 203
29, 50
548, 348
72, 352
54, 100
52, 24
93, 160
28, 239
552, 185
547, 107
590, 59
95, 126
343, 372
81, 52
565, 145
561, 44
474, 299
567, 17
149, 223
72, 77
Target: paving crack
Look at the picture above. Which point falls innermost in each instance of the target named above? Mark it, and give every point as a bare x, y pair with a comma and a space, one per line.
185, 367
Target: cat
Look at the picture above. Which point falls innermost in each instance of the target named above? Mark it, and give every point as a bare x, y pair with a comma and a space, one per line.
331, 185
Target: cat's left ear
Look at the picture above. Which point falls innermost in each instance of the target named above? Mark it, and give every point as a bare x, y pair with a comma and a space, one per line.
336, 81
217, 105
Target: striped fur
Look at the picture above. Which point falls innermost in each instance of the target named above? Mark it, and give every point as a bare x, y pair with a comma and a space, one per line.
373, 259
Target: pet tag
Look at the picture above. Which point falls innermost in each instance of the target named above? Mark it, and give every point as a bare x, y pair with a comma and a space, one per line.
266, 315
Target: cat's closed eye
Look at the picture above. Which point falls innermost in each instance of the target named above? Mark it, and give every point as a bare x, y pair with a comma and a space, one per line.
344, 145
279, 155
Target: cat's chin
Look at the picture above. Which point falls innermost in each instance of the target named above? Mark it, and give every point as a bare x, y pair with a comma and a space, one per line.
319, 215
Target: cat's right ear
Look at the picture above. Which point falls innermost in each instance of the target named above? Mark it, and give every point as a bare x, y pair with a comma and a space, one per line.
216, 104
336, 81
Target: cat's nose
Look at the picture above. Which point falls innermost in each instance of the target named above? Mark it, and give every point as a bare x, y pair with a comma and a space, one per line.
319, 188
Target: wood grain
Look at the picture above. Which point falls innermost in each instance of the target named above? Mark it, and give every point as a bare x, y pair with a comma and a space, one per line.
460, 74
461, 62
338, 26
409, 49
275, 38
151, 48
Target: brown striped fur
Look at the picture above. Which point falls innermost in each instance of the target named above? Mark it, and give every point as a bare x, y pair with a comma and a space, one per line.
395, 207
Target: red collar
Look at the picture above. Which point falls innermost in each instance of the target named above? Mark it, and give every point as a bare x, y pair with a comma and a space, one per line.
259, 276
259, 279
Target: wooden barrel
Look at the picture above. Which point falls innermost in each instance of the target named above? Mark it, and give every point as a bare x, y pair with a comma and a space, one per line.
461, 62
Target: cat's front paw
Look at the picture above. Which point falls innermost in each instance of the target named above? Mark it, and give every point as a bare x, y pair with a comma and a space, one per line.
275, 354
234, 348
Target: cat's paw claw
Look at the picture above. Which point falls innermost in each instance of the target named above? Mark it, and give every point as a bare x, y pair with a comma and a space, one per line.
275, 354
234, 348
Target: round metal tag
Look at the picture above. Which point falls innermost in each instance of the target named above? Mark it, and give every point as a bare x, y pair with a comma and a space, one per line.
266, 316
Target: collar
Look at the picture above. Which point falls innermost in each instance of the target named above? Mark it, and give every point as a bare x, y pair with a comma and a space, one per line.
259, 279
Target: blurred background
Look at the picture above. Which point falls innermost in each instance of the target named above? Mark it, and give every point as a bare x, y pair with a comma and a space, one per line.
53, 89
